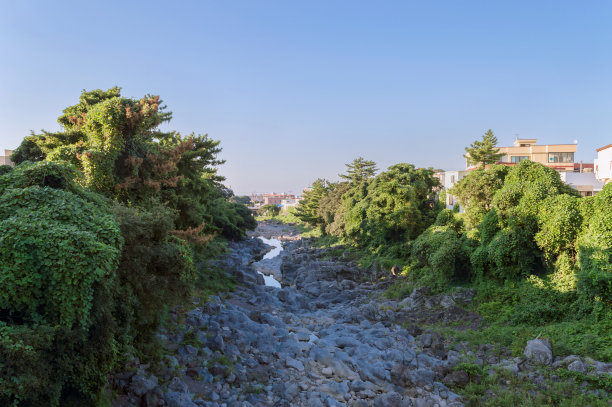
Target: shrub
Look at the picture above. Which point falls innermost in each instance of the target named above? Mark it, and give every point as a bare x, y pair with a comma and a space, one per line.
513, 254
156, 270
594, 246
447, 217
58, 254
559, 221
439, 257
268, 210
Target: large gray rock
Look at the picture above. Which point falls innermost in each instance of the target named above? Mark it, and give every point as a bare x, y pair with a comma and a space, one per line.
539, 351
175, 399
577, 366
392, 399
141, 385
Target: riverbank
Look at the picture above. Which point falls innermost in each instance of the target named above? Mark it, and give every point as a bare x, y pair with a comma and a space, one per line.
327, 337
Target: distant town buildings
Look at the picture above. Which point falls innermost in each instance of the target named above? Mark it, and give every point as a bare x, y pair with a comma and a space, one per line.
6, 158
284, 200
276, 199
603, 164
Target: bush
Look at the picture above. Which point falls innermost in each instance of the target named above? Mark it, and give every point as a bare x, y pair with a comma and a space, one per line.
559, 221
58, 254
439, 257
594, 246
449, 218
268, 210
156, 271
513, 254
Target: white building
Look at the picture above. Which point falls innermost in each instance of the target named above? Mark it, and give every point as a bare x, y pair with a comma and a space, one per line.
289, 203
449, 179
603, 164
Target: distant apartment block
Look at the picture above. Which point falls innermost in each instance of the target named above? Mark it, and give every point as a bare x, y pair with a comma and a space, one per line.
276, 199
556, 156
603, 164
257, 197
6, 158
289, 203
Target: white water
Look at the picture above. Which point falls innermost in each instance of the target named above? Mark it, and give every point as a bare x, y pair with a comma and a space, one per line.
278, 247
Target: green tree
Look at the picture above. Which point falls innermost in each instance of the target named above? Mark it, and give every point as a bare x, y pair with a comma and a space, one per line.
117, 144
476, 191
394, 207
28, 150
359, 170
242, 199
483, 152
308, 208
268, 210
332, 210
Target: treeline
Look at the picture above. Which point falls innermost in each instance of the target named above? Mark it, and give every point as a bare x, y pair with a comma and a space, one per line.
104, 226
522, 228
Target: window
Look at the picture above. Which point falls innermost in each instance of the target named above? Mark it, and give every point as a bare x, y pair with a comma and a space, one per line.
518, 158
560, 157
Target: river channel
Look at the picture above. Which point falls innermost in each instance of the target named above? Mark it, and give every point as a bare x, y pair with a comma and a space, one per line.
277, 249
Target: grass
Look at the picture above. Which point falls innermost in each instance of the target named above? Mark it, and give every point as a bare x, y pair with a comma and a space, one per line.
500, 388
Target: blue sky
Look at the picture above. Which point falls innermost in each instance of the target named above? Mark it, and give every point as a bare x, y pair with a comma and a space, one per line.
296, 89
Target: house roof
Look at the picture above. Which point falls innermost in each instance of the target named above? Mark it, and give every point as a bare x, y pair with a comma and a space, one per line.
604, 147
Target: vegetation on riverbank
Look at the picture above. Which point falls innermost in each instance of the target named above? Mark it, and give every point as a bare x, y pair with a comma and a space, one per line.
105, 227
538, 254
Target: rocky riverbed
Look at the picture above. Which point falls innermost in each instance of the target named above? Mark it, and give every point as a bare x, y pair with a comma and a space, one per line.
325, 338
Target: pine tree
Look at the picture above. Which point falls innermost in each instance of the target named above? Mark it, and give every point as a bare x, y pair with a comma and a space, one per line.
359, 170
483, 152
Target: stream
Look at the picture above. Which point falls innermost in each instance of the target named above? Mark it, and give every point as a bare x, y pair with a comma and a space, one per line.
278, 248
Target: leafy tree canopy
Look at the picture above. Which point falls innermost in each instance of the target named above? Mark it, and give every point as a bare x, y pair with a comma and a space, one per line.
476, 191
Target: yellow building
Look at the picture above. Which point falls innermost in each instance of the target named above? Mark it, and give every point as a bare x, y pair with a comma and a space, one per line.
557, 156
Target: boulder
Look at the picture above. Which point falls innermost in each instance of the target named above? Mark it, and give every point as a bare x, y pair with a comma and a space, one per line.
457, 378
539, 351
141, 385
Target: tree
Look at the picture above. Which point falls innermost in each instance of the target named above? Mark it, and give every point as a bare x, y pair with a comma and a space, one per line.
483, 152
117, 144
268, 210
308, 208
331, 209
28, 150
359, 170
476, 191
242, 199
395, 207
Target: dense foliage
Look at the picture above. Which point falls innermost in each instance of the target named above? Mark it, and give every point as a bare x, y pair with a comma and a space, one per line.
380, 213
103, 223
538, 253
268, 210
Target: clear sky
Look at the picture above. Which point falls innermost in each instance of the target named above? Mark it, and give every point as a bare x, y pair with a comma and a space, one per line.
296, 89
